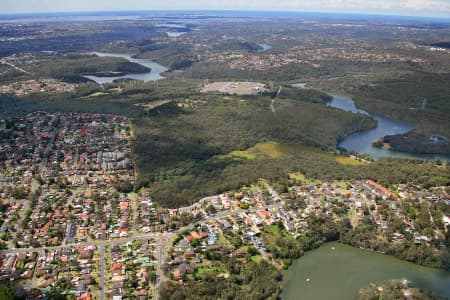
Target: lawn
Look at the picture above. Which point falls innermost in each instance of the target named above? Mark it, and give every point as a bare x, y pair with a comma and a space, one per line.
208, 269
256, 258
222, 240
271, 233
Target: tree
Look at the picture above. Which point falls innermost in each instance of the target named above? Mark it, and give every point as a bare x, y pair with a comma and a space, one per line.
210, 209
244, 205
4, 236
9, 293
195, 243
136, 245
252, 251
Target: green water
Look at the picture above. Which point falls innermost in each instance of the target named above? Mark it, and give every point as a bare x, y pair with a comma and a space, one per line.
339, 274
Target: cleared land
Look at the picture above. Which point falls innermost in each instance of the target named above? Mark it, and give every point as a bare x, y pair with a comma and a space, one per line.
235, 88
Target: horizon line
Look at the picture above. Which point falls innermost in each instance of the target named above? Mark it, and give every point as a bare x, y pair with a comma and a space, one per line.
43, 13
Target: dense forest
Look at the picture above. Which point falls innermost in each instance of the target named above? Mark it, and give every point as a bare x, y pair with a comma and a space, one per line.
217, 175
178, 143
182, 146
421, 99
13, 106
129, 98
417, 143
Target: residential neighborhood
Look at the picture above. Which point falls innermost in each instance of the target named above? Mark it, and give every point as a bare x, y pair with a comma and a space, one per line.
71, 221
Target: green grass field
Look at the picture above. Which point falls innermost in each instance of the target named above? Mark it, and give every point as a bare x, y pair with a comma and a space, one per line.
277, 150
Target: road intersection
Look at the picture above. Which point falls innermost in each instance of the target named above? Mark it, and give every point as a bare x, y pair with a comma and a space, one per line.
162, 243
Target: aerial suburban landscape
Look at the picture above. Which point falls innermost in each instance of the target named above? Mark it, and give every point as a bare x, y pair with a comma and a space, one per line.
207, 152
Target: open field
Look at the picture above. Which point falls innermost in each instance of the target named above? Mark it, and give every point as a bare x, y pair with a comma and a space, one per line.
269, 149
277, 150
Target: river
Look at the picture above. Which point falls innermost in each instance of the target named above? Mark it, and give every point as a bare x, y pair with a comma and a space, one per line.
361, 142
264, 47
154, 74
339, 274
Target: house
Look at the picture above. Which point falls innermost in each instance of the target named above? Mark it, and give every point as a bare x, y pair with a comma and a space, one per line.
386, 193
85, 296
446, 220
176, 274
199, 236
224, 225
186, 268
117, 269
421, 238
142, 294
182, 245
189, 254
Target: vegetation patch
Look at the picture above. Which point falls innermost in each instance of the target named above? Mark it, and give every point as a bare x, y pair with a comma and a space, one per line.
396, 289
345, 160
151, 105
269, 149
97, 94
256, 258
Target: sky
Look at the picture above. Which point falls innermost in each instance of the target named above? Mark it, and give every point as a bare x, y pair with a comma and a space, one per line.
424, 8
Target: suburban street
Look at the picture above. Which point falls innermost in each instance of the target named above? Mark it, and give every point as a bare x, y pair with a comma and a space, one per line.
162, 243
162, 236
102, 272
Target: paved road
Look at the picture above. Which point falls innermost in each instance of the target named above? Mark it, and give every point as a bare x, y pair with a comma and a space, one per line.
84, 244
224, 214
144, 237
102, 272
43, 164
15, 67
273, 193
133, 198
162, 243
272, 103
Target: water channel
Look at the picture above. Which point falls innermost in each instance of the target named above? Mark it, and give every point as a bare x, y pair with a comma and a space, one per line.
361, 142
154, 74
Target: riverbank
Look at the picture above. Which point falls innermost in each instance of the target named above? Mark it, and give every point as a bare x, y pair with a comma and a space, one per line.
342, 272
363, 142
